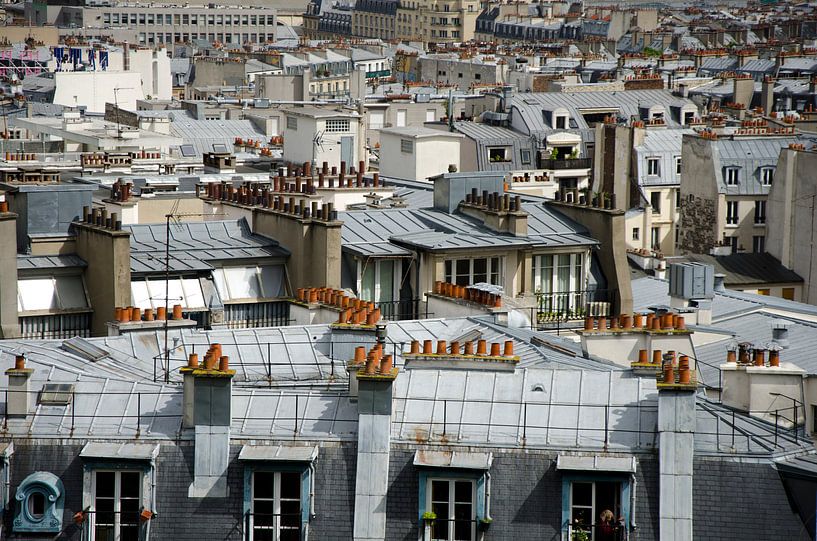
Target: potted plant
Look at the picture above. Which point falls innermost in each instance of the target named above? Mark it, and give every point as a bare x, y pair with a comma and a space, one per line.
429, 517
485, 523
554, 154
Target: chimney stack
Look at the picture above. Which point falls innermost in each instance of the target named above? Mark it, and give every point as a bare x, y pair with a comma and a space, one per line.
676, 443
9, 326
207, 405
19, 392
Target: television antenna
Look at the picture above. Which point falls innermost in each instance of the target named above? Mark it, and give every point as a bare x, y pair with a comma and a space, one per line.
176, 218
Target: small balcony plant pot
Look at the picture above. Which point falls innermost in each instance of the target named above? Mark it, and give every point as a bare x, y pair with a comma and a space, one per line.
429, 517
485, 523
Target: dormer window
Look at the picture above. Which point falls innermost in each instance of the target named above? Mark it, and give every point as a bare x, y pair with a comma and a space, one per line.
560, 122
767, 175
731, 174
653, 167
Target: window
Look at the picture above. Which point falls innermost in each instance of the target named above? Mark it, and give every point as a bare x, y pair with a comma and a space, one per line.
292, 123
764, 291
587, 499
498, 154
767, 175
242, 283
758, 244
376, 280
275, 512
655, 238
560, 278
431, 115
636, 232
788, 293
653, 166
655, 202
731, 213
677, 165
561, 122
524, 156
760, 212
731, 175
41, 498
401, 117
407, 146
465, 272
453, 503
337, 125
117, 504
733, 243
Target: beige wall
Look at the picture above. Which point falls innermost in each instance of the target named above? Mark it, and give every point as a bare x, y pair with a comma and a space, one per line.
108, 272
8, 271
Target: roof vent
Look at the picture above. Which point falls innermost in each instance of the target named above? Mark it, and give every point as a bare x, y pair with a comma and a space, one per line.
780, 333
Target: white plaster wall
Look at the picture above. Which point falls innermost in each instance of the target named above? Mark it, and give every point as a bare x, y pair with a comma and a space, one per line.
93, 89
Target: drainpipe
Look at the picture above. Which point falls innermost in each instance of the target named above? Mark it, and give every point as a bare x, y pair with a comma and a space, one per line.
634, 484
488, 495
152, 495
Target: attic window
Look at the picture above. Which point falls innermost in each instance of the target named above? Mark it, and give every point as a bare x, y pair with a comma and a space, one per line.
498, 154
561, 122
56, 394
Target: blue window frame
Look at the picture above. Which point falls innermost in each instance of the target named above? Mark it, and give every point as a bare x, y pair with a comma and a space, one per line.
277, 500
40, 504
456, 499
586, 496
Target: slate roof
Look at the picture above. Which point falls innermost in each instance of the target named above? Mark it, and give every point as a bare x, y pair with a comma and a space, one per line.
750, 154
45, 262
194, 245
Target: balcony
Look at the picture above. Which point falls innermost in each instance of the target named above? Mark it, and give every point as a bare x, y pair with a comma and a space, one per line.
560, 165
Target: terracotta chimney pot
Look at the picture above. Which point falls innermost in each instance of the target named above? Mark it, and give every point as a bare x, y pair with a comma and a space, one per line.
149, 314
360, 355
643, 356
455, 348
441, 347
415, 346
19, 362
177, 311
774, 357
469, 348
224, 363
427, 348
656, 356
193, 360
386, 365
161, 313
494, 349
508, 348
482, 347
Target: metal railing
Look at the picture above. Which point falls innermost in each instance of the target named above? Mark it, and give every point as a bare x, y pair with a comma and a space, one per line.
403, 309
589, 532
446, 421
553, 308
559, 165
259, 524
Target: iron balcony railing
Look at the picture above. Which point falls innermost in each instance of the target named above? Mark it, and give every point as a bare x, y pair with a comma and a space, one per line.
403, 309
592, 532
561, 306
265, 525
558, 165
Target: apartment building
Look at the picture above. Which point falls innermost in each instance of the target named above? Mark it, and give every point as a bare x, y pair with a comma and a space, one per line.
431, 21
375, 19
147, 24
727, 179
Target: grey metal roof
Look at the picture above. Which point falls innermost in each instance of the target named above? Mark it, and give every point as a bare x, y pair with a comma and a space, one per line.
485, 136
748, 268
535, 406
750, 155
45, 262
195, 245
530, 107
282, 453
203, 134
120, 451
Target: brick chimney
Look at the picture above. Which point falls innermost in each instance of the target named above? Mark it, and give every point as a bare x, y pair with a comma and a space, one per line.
9, 326
102, 243
207, 406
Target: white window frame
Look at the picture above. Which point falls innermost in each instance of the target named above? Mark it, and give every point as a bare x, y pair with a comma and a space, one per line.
767, 176
732, 176
576, 283
361, 267
452, 504
653, 167
732, 216
276, 499
337, 125
760, 204
117, 498
677, 165
489, 270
